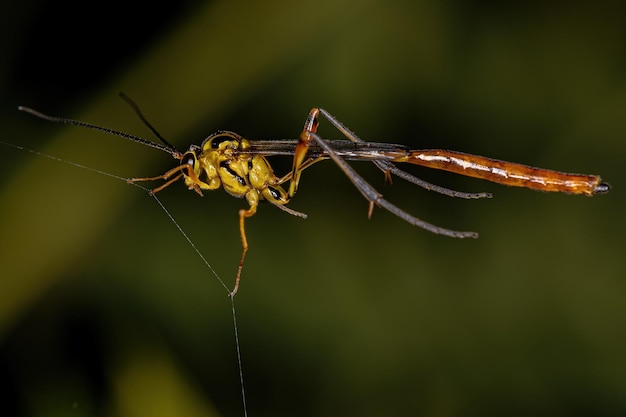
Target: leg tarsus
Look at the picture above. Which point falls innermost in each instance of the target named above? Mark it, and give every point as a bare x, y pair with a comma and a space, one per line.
370, 210
244, 243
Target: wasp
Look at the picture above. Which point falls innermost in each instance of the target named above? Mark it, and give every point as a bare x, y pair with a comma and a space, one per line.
240, 166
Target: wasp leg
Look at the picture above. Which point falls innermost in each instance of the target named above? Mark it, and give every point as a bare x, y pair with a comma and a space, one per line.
387, 167
374, 197
165, 176
310, 126
252, 198
304, 165
194, 184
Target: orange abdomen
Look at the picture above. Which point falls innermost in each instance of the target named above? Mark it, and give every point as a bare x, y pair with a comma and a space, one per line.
507, 173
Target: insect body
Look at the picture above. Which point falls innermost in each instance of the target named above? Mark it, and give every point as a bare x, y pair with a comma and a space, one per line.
224, 161
227, 160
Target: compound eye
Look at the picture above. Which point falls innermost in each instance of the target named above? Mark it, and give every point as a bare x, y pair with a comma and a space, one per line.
189, 158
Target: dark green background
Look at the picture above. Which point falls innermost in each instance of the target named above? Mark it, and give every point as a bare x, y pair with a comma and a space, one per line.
105, 310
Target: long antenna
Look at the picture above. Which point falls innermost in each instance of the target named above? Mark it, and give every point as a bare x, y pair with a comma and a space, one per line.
135, 107
165, 148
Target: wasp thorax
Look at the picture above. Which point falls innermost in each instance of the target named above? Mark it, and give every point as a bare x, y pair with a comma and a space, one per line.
222, 140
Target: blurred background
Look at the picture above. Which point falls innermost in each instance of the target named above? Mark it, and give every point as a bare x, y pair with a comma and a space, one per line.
105, 310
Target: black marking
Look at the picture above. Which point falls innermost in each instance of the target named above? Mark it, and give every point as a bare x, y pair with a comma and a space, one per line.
225, 165
277, 195
219, 138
